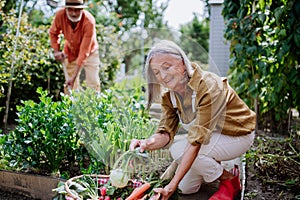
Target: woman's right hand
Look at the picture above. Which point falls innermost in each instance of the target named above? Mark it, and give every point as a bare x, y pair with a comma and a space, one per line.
156, 141
138, 143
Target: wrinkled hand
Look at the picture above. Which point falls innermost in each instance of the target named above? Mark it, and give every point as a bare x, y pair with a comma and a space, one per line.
138, 143
59, 56
70, 82
165, 192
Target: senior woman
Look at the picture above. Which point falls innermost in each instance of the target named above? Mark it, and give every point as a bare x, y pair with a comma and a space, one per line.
220, 125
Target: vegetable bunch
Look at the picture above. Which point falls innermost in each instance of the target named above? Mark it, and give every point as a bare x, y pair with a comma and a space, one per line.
124, 168
93, 187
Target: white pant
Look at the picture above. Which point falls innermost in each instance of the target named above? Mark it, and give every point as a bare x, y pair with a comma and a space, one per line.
206, 166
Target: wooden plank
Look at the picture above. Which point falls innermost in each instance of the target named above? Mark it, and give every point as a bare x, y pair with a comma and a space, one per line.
35, 186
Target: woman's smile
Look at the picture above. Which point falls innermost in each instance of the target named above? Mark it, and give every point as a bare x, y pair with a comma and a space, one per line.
168, 70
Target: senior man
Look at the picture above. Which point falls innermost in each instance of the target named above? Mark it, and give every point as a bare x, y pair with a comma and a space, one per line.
80, 48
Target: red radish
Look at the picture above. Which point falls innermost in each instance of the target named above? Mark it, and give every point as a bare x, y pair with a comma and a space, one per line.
103, 191
107, 198
69, 198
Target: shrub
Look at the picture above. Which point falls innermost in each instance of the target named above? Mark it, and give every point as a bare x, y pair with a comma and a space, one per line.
45, 136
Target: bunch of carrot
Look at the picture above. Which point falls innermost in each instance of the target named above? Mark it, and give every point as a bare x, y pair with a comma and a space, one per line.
138, 193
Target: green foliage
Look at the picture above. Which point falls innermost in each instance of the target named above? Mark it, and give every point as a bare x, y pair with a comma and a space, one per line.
110, 54
32, 64
108, 121
27, 62
38, 18
194, 39
264, 61
8, 5
4, 164
124, 15
45, 136
121, 18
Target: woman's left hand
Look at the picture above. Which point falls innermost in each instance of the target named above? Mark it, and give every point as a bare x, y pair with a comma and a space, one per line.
165, 192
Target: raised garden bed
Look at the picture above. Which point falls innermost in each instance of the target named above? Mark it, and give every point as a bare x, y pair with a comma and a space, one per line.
28, 185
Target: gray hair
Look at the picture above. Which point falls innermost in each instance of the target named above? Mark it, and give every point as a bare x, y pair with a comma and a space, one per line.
162, 47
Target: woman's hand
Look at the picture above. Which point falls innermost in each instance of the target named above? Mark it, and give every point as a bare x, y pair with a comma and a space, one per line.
190, 154
134, 144
140, 143
166, 192
156, 141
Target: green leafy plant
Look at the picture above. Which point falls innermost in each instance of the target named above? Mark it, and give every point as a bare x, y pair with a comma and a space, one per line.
4, 164
107, 122
45, 137
264, 65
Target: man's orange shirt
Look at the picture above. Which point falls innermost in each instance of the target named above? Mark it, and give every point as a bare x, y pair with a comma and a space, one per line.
79, 42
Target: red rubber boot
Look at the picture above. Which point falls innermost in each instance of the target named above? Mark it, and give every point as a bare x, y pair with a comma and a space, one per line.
228, 189
236, 180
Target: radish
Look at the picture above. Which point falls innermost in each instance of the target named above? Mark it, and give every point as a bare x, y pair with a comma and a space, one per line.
103, 191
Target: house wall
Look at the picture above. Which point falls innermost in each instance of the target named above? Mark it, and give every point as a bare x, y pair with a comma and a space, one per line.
218, 47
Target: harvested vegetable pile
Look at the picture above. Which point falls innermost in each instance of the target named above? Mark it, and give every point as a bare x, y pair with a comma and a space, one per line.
124, 182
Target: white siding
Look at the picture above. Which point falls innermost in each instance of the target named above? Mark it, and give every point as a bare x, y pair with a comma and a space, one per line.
218, 47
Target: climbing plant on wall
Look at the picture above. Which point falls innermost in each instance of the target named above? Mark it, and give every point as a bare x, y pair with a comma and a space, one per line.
265, 55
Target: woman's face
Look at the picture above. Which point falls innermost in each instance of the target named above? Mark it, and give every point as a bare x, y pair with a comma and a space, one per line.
169, 70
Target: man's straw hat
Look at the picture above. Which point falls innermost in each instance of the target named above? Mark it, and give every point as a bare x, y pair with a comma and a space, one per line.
75, 4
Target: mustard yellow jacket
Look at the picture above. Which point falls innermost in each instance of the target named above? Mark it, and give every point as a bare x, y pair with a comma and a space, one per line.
217, 108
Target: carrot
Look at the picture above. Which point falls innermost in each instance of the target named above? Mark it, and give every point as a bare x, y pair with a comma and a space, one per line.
138, 192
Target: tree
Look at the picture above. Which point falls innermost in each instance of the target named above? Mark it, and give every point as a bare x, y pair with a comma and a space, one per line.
34, 63
194, 39
129, 19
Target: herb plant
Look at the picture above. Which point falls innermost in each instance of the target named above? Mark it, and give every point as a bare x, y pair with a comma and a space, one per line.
45, 137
